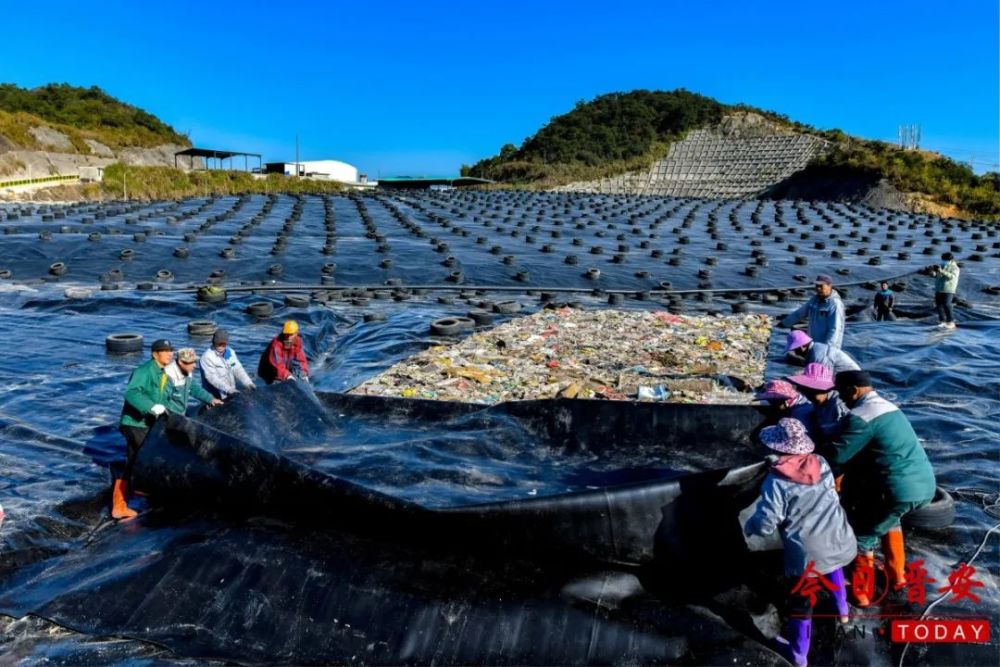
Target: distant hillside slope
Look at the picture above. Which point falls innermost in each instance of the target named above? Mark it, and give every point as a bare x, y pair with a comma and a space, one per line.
740, 156
57, 128
684, 144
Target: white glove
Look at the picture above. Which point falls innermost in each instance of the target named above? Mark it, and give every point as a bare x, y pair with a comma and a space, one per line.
157, 410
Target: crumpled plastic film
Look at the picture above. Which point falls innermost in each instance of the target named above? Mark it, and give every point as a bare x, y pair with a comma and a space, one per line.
608, 354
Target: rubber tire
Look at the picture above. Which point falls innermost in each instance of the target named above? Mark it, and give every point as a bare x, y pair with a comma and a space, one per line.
506, 307
261, 309
57, 268
374, 317
296, 301
482, 318
202, 327
123, 343
212, 298
78, 293
938, 514
447, 326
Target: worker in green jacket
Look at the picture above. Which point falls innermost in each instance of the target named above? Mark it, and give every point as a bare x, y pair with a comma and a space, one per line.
945, 285
889, 473
145, 399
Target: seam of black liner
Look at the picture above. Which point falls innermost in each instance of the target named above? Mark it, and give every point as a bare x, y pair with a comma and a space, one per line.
515, 288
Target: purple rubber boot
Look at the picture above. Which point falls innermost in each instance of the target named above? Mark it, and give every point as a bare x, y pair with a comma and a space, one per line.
840, 595
795, 649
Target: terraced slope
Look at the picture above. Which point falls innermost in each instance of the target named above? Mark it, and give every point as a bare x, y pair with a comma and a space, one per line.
713, 163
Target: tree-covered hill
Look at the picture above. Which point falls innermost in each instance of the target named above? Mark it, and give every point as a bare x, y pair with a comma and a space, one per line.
80, 113
618, 131
624, 132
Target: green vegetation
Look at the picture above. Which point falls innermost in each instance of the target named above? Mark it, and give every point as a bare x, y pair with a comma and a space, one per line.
152, 183
942, 180
623, 132
80, 114
611, 134
89, 109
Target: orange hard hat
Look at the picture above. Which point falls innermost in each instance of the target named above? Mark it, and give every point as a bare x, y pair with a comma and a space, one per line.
291, 327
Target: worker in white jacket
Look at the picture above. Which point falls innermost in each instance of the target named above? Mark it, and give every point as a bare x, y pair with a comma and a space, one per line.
222, 373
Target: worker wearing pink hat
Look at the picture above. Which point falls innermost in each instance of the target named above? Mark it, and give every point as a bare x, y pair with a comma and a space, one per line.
816, 384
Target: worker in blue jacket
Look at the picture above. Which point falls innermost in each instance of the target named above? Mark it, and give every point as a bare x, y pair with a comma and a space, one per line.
825, 313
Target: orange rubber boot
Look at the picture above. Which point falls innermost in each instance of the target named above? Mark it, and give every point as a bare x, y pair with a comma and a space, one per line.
895, 558
120, 508
863, 561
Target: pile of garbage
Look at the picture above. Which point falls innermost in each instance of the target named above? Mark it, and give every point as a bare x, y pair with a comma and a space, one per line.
609, 354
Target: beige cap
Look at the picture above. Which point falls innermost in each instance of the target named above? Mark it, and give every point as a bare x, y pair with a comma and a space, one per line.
187, 355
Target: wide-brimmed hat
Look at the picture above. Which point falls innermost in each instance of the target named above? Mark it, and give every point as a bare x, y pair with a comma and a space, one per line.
796, 339
816, 376
777, 390
788, 436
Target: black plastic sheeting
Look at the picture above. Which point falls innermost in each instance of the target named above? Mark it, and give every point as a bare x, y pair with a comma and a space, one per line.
491, 239
579, 477
381, 531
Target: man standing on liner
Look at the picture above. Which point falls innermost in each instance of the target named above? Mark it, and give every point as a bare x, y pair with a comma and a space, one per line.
825, 312
145, 399
945, 285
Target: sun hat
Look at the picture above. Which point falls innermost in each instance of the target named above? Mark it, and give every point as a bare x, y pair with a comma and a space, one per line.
796, 339
788, 436
777, 390
162, 345
816, 376
187, 355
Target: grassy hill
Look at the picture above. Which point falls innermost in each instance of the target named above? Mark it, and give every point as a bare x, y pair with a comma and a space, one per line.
927, 176
621, 132
80, 114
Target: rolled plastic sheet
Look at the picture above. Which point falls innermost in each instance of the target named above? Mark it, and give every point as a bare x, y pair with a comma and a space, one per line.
624, 466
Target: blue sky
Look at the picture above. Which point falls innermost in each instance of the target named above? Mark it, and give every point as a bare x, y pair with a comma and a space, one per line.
422, 87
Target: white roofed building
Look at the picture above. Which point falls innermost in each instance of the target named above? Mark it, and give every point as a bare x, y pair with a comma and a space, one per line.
332, 170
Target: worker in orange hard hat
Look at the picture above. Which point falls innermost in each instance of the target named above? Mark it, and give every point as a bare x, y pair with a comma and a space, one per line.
284, 358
